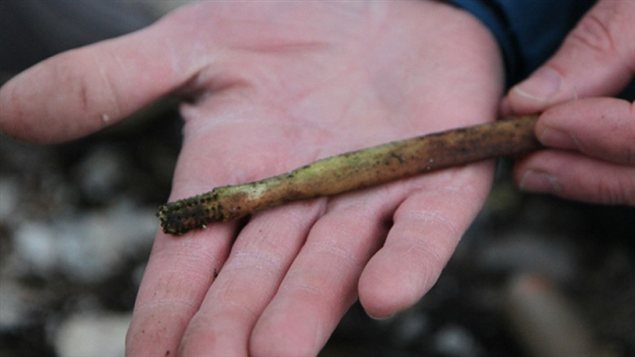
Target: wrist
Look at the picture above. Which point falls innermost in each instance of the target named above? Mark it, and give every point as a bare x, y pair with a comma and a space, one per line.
493, 17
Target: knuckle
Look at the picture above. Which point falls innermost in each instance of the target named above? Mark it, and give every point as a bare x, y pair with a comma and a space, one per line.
67, 70
616, 190
267, 263
112, 102
433, 256
594, 32
427, 218
417, 226
94, 91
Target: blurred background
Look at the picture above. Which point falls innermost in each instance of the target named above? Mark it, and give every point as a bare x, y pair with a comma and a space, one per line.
534, 275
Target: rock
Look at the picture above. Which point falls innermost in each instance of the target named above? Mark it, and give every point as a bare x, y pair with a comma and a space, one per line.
34, 245
546, 321
455, 340
409, 328
529, 253
94, 334
101, 172
88, 248
16, 305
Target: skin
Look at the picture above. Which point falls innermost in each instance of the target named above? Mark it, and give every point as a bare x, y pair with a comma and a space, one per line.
272, 86
591, 135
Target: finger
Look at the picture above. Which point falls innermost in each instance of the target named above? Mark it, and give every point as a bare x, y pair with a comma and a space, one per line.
573, 176
596, 58
177, 276
603, 128
427, 227
321, 283
180, 270
250, 277
83, 90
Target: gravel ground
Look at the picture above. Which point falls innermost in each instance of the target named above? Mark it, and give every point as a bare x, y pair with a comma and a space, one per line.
532, 276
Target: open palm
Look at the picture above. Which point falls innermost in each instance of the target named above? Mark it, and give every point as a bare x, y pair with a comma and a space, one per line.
273, 86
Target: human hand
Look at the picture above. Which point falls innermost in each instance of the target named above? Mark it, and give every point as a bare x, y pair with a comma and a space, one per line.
275, 86
593, 140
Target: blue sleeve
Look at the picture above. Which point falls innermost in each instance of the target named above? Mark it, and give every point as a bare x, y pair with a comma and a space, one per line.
527, 31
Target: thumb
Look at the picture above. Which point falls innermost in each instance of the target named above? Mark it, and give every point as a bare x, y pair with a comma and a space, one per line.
83, 90
597, 58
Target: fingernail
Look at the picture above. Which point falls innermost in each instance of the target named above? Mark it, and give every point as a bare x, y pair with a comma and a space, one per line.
380, 318
557, 138
541, 86
539, 181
